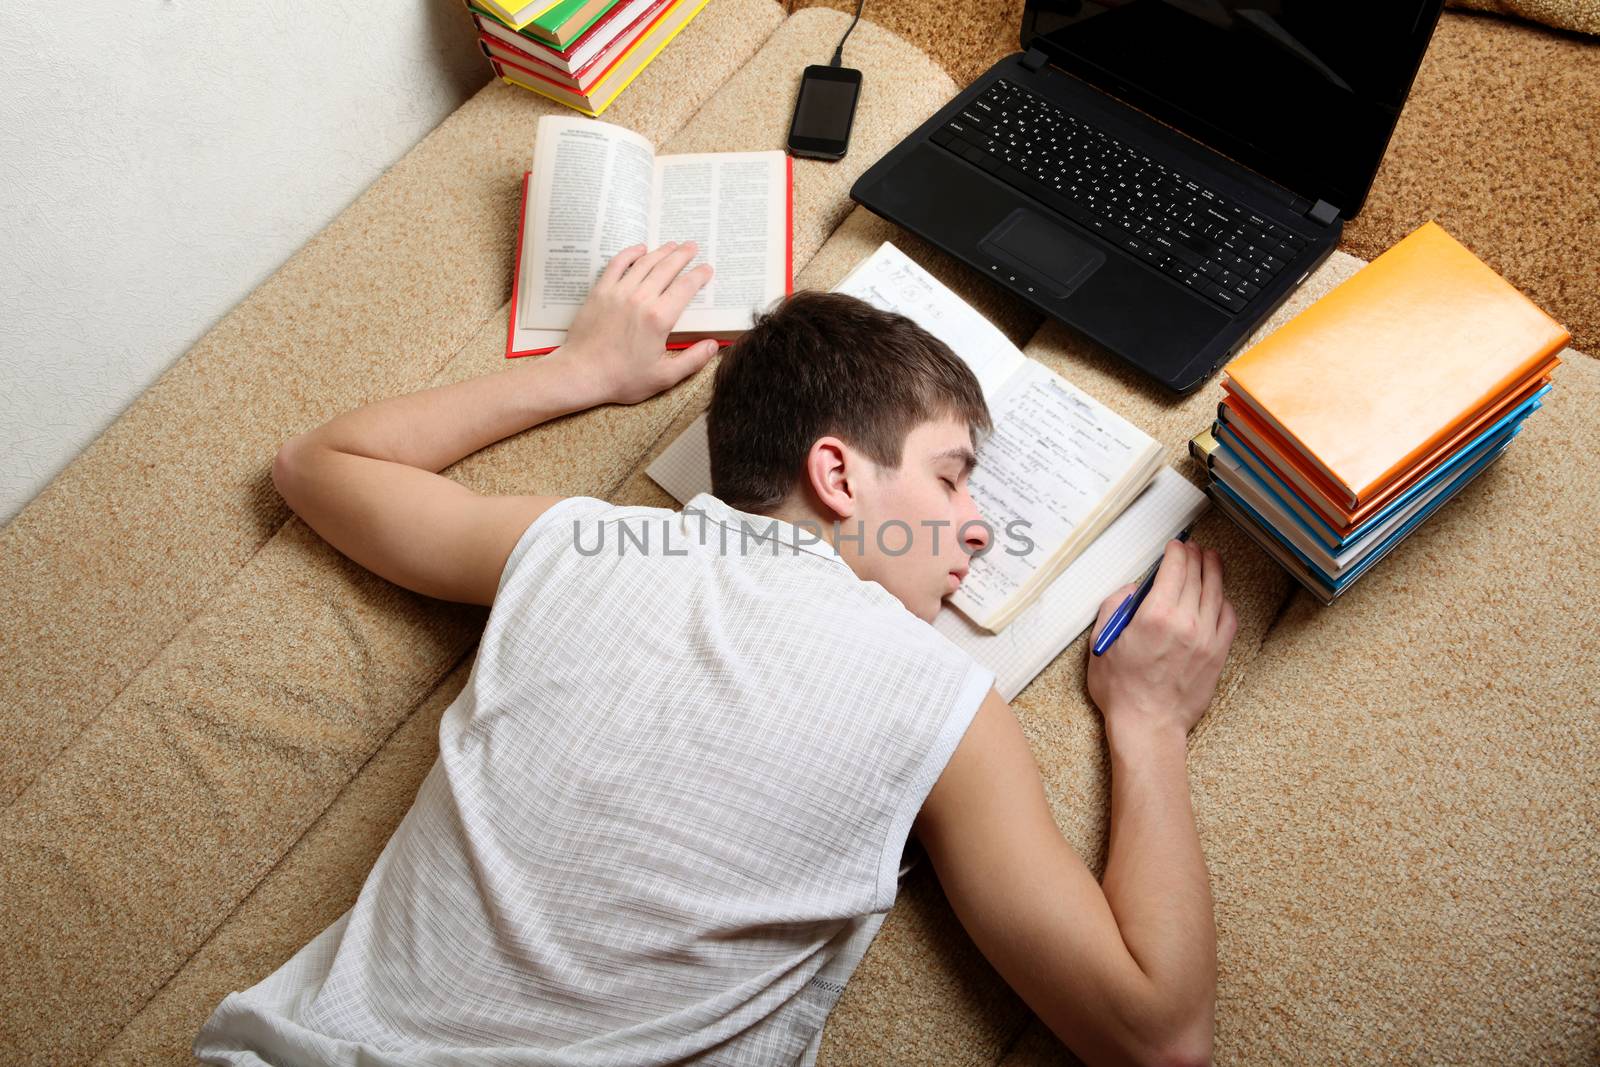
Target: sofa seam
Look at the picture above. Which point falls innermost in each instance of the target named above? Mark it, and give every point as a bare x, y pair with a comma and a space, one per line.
1009, 1045
184, 624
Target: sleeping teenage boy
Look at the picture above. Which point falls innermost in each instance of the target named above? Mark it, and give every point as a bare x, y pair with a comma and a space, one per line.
669, 808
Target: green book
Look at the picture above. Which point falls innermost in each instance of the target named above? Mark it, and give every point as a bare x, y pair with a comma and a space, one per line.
559, 23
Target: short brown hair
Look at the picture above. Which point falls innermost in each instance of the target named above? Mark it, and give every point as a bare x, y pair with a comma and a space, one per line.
820, 363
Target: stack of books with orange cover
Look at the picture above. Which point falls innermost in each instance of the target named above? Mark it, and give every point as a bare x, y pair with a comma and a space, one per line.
580, 52
1346, 428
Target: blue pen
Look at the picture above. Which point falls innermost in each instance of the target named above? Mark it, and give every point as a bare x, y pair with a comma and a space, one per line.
1124, 614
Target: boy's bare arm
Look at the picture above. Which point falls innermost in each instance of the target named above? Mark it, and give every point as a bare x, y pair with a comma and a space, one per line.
1123, 971
1155, 878
368, 481
1152, 686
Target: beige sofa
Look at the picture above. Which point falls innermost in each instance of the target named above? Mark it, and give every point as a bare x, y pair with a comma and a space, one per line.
213, 721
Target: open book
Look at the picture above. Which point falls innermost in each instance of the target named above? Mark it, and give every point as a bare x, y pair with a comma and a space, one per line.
597, 188
1100, 504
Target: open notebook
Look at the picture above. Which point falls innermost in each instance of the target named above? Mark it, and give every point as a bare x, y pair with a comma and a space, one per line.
1059, 441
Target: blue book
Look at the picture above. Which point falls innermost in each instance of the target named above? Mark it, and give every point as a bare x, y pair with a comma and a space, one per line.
1229, 467
1332, 586
1314, 524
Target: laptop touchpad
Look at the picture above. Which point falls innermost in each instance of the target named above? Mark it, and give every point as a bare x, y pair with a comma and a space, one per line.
1055, 258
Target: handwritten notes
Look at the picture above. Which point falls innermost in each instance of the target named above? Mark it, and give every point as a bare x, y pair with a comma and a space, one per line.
889, 280
1054, 457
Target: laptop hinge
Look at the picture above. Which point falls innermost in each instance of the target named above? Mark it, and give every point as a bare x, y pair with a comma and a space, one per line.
1035, 59
1322, 213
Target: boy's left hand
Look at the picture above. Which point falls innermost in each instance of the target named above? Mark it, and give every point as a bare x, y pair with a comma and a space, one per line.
618, 338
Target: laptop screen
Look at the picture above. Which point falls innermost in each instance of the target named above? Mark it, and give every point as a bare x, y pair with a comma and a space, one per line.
1306, 94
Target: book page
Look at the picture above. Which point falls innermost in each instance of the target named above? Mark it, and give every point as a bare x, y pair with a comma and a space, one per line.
892, 281
734, 207
1055, 456
589, 199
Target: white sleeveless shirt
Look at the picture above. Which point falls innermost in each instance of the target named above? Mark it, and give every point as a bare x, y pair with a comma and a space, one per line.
665, 822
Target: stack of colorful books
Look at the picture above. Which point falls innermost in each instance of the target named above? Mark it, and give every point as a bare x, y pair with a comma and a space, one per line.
580, 52
1357, 419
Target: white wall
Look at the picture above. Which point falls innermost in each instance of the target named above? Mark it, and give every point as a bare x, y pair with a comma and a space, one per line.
160, 159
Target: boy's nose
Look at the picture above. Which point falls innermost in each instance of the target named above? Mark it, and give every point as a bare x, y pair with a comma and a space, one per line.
974, 531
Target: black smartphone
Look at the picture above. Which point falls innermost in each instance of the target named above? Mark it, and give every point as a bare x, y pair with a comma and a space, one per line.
824, 111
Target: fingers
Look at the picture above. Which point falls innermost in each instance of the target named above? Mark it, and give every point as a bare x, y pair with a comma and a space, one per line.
619, 263
1170, 575
653, 271
694, 357
667, 268
1189, 599
1227, 624
641, 266
1211, 589
675, 366
683, 288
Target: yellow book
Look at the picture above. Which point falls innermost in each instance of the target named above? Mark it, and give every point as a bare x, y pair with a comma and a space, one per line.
519, 15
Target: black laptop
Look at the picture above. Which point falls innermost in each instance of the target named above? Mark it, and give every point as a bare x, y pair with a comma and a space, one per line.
1161, 174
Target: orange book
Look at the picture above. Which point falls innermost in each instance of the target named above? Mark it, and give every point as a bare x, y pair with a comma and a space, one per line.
1270, 447
1386, 374
1263, 447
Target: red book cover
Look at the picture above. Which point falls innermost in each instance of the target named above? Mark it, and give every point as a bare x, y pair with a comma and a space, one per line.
495, 49
516, 278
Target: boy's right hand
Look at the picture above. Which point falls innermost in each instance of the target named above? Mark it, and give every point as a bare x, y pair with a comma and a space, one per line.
1160, 674
617, 341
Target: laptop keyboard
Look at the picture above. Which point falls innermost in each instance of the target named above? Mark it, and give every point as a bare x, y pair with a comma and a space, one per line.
1200, 238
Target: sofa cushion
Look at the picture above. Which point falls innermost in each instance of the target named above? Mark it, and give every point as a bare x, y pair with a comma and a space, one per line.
1580, 16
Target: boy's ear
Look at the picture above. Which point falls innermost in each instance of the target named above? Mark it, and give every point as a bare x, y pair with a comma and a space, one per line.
834, 473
